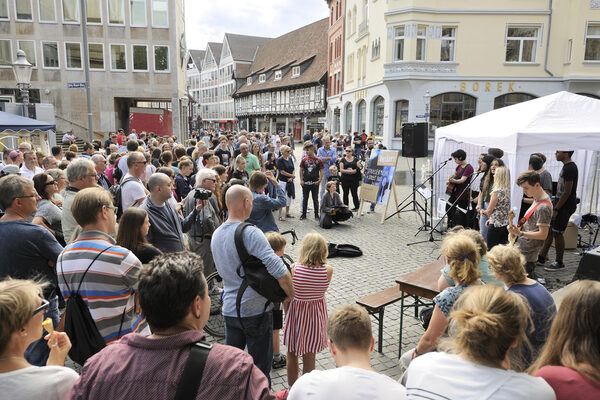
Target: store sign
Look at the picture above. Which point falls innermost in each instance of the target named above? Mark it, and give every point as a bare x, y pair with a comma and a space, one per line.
361, 94
488, 86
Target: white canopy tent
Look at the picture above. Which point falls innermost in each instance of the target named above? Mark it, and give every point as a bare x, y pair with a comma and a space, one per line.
561, 121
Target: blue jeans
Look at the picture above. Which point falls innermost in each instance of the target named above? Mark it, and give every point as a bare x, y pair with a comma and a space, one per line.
482, 220
257, 335
37, 353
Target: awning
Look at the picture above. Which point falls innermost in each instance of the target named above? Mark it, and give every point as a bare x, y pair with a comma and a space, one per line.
16, 123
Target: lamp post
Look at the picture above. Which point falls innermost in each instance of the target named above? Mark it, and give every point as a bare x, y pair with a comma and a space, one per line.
184, 105
22, 70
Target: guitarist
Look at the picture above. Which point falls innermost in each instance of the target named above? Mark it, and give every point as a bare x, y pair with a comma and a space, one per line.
533, 228
457, 184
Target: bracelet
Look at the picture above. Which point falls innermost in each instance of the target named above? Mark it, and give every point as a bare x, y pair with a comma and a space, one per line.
417, 354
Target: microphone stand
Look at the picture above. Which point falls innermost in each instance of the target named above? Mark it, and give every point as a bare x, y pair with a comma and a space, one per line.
430, 178
451, 208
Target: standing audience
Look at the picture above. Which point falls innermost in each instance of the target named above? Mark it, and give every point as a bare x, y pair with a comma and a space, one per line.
133, 228
48, 214
81, 174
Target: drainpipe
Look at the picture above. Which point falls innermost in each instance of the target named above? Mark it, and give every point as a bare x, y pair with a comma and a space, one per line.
548, 40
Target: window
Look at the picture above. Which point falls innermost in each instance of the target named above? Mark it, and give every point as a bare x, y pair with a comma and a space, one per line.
160, 13
161, 59
249, 81
73, 55
569, 50
295, 71
261, 78
349, 22
448, 108
70, 11
375, 48
96, 55
50, 55
401, 116
278, 75
23, 10
138, 12
93, 11
350, 68
140, 57
118, 58
359, 64
399, 43
421, 42
5, 53
318, 95
521, 43
116, 15
28, 46
361, 116
3, 9
592, 43
348, 117
46, 10
511, 98
448, 44
377, 117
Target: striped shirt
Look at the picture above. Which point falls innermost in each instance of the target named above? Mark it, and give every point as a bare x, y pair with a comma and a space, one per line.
108, 287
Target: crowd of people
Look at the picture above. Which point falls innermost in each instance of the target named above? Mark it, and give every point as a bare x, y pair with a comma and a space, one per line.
133, 227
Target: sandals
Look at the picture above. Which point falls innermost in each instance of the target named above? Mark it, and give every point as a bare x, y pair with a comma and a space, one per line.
281, 219
289, 216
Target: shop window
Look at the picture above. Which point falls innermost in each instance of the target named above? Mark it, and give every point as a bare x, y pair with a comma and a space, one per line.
521, 44
348, 117
448, 108
511, 98
377, 117
361, 116
401, 116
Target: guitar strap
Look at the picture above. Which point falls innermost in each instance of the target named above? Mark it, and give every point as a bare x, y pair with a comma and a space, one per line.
530, 212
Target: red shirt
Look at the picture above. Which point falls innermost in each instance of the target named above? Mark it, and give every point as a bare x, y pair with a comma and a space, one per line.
136, 367
568, 384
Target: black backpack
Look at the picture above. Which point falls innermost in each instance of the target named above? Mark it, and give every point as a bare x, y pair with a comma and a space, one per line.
343, 250
255, 274
117, 173
115, 191
79, 324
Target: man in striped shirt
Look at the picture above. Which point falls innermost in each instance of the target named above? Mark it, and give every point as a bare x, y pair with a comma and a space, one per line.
109, 286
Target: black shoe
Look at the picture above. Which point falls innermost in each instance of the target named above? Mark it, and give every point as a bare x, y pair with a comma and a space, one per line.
557, 266
317, 217
303, 217
541, 260
277, 364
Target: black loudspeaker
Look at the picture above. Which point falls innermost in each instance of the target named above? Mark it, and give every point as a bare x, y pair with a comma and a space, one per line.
414, 140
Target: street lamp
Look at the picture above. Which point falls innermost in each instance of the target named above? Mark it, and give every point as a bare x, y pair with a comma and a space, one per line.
22, 70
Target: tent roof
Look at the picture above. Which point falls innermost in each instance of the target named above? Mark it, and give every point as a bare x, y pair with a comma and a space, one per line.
560, 121
16, 123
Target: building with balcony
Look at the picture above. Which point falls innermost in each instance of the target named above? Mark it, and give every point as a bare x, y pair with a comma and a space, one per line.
195, 61
285, 87
136, 59
414, 60
223, 61
335, 62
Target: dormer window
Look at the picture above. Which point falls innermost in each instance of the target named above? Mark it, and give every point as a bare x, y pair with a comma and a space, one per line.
278, 75
249, 80
295, 71
262, 78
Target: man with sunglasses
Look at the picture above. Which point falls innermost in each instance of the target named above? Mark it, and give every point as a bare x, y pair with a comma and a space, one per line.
133, 191
28, 251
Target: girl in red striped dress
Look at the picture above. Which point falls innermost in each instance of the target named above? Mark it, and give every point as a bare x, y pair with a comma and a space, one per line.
305, 332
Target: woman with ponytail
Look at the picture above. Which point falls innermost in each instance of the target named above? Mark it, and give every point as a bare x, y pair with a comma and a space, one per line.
570, 359
485, 324
463, 257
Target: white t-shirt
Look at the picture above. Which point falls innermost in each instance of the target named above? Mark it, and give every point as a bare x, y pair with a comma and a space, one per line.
131, 191
348, 383
27, 173
439, 375
122, 164
34, 383
150, 169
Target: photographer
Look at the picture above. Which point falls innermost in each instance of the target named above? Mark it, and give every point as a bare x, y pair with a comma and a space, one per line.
207, 218
263, 205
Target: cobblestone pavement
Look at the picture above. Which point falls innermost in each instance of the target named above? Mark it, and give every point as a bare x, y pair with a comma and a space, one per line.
386, 257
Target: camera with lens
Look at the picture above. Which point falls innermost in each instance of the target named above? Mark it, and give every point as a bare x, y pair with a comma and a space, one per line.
202, 194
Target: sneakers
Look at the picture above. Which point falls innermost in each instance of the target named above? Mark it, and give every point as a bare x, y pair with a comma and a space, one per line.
279, 363
303, 217
555, 267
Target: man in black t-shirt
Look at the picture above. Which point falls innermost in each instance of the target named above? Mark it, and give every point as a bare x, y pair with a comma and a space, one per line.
311, 175
565, 204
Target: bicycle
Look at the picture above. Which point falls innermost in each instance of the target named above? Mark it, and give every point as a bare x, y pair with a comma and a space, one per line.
215, 326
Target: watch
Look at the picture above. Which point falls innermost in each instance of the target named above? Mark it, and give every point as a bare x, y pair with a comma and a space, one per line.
522, 234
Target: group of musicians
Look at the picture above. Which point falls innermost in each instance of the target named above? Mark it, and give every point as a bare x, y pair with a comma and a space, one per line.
481, 200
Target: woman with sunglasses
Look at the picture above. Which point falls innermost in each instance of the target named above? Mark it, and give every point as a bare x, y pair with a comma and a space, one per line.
48, 214
21, 316
350, 167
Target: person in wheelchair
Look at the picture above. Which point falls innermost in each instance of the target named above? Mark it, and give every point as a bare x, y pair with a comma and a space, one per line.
332, 208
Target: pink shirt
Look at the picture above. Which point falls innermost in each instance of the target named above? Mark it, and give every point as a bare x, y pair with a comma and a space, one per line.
568, 384
136, 367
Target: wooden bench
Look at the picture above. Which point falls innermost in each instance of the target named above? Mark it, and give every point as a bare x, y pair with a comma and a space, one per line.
375, 305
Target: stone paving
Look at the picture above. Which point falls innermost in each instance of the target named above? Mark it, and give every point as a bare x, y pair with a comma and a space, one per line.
386, 257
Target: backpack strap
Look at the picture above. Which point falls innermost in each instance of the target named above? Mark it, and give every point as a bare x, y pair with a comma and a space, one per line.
191, 377
239, 242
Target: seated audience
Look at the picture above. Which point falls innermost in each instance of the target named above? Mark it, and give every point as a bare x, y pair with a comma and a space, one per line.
508, 265
351, 342
21, 315
570, 359
133, 228
332, 208
486, 323
174, 296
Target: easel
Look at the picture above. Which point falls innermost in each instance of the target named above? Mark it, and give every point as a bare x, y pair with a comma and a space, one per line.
387, 205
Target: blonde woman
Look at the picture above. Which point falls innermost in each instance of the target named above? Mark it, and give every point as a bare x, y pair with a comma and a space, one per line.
497, 211
486, 323
508, 265
570, 358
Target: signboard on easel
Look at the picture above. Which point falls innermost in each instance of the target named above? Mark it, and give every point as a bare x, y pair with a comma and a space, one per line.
378, 181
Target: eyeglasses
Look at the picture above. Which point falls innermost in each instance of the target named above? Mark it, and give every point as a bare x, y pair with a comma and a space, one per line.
140, 162
211, 179
30, 195
111, 208
45, 304
52, 182
94, 175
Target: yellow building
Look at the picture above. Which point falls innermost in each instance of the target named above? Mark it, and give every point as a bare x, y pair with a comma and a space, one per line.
461, 58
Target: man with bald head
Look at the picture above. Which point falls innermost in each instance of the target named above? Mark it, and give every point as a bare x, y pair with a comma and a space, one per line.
255, 329
166, 225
